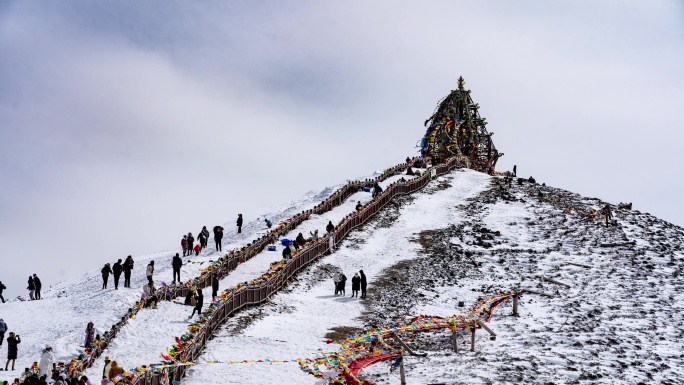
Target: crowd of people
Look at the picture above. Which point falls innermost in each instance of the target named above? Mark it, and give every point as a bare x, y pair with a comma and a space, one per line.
359, 283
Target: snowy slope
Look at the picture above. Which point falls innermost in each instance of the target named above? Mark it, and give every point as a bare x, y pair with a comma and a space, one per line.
619, 322
141, 340
60, 318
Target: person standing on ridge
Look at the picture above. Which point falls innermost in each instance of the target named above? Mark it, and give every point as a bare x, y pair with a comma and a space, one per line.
239, 223
2, 287
12, 350
31, 287
515, 170
46, 361
106, 270
343, 284
128, 266
200, 240
149, 272
218, 236
39, 285
176, 264
268, 222
117, 273
205, 236
3, 329
330, 227
184, 245
107, 366
191, 243
364, 284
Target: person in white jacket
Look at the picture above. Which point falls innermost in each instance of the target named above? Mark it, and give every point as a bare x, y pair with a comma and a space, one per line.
46, 361
150, 271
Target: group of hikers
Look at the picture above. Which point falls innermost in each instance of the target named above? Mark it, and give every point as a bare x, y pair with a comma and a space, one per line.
119, 267
359, 283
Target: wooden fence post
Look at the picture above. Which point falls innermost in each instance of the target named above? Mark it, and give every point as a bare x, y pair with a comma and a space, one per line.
472, 340
515, 305
454, 340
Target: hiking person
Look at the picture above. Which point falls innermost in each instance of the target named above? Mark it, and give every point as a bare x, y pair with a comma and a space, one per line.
117, 273
239, 223
607, 213
46, 361
128, 266
359, 206
191, 243
356, 285
336, 281
3, 329
2, 287
12, 350
107, 366
287, 253
268, 222
300, 239
106, 270
151, 298
150, 271
364, 284
31, 287
515, 170
89, 334
214, 285
198, 248
343, 284
114, 371
202, 240
408, 160
184, 245
39, 285
314, 235
330, 227
176, 264
218, 236
377, 190
205, 237
199, 299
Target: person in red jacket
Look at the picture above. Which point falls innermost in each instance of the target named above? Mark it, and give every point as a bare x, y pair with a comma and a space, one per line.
184, 245
198, 248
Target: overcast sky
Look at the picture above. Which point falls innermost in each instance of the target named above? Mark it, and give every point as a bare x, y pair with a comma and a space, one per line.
126, 124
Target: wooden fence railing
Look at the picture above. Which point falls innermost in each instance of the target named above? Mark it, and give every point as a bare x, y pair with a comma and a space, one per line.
257, 294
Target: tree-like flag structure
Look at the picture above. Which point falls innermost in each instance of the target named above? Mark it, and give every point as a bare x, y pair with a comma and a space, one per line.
457, 129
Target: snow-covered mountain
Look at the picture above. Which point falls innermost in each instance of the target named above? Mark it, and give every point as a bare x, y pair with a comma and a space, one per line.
463, 237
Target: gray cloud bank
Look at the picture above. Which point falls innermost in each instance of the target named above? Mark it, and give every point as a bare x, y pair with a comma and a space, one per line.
127, 124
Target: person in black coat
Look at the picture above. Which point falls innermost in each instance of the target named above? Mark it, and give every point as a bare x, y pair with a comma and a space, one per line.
330, 227
364, 283
2, 287
39, 285
199, 298
118, 268
343, 284
127, 267
300, 239
356, 285
176, 264
214, 285
218, 236
31, 287
377, 190
202, 239
12, 350
106, 270
239, 223
205, 235
287, 253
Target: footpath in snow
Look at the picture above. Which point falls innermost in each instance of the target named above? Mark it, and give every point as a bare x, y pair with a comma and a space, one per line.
142, 340
295, 324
